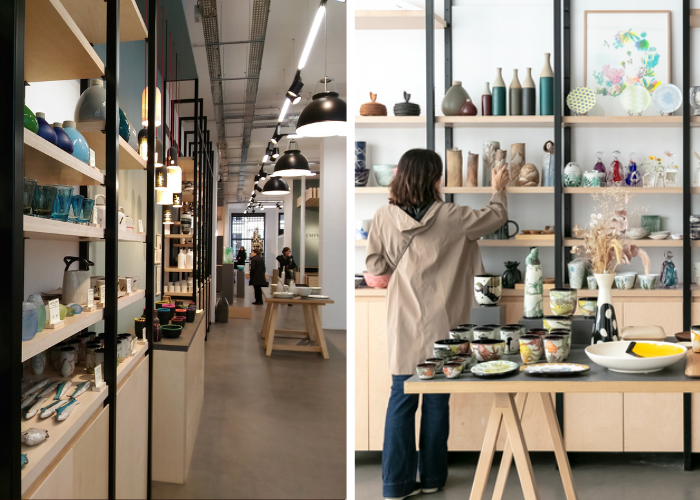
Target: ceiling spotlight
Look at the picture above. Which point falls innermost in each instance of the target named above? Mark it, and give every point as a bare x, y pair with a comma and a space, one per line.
257, 179
262, 174
294, 92
258, 188
252, 210
266, 158
276, 186
276, 153
279, 205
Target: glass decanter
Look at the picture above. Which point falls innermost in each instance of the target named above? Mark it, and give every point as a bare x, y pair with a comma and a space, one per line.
633, 179
600, 166
669, 274
615, 174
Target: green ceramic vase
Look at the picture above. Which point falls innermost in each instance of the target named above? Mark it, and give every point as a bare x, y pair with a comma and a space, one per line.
30, 121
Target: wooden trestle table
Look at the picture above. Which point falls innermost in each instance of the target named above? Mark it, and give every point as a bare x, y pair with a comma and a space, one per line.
312, 318
511, 394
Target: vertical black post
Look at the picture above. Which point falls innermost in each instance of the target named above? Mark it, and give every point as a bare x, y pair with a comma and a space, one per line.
430, 74
566, 41
687, 207
111, 231
150, 217
449, 131
195, 214
558, 220
11, 230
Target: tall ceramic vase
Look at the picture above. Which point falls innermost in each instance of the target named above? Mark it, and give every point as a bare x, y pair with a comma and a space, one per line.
515, 96
605, 320
487, 101
533, 285
547, 88
498, 94
529, 94
488, 160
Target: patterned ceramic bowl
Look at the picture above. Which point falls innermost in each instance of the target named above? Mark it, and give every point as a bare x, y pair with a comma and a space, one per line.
425, 371
438, 362
554, 322
625, 281
488, 349
649, 282
457, 346
384, 174
587, 306
452, 370
562, 301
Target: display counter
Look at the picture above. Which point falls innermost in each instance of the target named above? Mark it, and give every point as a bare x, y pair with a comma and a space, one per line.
178, 394
640, 422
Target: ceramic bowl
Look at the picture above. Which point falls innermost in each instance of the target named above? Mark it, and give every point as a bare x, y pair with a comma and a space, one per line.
637, 233
483, 332
676, 236
179, 320
315, 290
487, 289
587, 306
376, 281
462, 332
562, 301
613, 356
438, 362
488, 349
303, 291
555, 322
625, 281
464, 360
425, 371
171, 331
452, 370
457, 346
659, 235
649, 282
443, 352
384, 174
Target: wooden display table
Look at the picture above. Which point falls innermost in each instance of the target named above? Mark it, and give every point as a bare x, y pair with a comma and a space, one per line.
312, 318
511, 394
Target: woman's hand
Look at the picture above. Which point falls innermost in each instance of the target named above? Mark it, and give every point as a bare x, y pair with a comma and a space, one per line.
500, 178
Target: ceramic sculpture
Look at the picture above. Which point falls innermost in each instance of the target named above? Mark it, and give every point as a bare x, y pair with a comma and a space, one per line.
454, 168
529, 176
517, 160
373, 108
499, 94
512, 274
406, 108
548, 164
533, 285
529, 94
547, 88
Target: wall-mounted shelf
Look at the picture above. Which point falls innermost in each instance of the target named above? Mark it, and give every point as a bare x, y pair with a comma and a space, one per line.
138, 238
35, 227
489, 190
496, 121
177, 270
91, 18
182, 245
49, 164
637, 292
633, 191
178, 236
623, 121
372, 190
571, 242
129, 159
394, 20
54, 46
519, 242
361, 243
178, 294
390, 121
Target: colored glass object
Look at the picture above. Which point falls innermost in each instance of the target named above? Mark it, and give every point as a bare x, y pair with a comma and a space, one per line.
124, 126
61, 204
44, 197
30, 121
81, 150
615, 173
62, 139
600, 166
46, 131
76, 204
86, 213
30, 321
28, 195
633, 179
40, 309
669, 274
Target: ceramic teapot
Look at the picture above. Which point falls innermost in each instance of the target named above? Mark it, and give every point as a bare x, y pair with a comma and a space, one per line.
100, 212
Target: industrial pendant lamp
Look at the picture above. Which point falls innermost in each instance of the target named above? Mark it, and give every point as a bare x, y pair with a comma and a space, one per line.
276, 185
164, 197
292, 163
177, 200
144, 107
162, 178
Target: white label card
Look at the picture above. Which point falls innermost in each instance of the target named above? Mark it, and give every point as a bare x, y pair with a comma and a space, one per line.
102, 294
140, 226
54, 312
98, 375
90, 297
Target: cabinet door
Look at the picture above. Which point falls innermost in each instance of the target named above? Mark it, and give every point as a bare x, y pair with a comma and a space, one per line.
379, 374
91, 459
361, 376
668, 315
59, 482
593, 422
654, 422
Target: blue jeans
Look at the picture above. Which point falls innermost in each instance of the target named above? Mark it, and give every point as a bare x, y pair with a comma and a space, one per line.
400, 460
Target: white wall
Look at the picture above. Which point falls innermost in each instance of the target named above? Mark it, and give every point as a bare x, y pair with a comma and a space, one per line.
333, 229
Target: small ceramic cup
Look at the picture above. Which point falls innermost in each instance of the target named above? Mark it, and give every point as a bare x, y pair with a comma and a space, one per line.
588, 306
465, 360
99, 359
495, 331
625, 281
442, 352
523, 328
554, 348
90, 349
592, 283
38, 363
562, 301
462, 332
438, 362
452, 370
457, 346
425, 371
530, 348
67, 358
566, 335
695, 337
557, 322
488, 349
120, 352
540, 332
481, 333
511, 336
648, 282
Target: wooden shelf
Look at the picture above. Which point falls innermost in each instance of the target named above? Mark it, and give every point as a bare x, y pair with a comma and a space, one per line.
646, 242
390, 121
310, 202
372, 190
35, 227
361, 243
496, 121
91, 18
489, 190
179, 294
54, 46
183, 245
177, 270
520, 242
129, 159
635, 191
177, 236
636, 292
50, 337
138, 238
49, 164
394, 20
623, 121
128, 365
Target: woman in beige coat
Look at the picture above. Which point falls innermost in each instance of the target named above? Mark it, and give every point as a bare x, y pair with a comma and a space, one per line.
430, 249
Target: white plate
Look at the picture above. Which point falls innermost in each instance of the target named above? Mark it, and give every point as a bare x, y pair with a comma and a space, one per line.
319, 297
614, 357
667, 98
282, 295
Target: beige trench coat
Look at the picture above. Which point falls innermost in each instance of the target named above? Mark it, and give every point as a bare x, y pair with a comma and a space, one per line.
432, 288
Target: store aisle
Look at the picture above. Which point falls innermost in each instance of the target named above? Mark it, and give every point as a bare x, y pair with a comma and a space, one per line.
270, 427
601, 476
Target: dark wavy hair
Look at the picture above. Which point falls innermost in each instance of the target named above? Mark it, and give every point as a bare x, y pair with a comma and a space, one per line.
414, 184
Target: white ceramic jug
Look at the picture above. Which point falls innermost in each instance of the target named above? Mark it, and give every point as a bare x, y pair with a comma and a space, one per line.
190, 259
100, 212
292, 287
181, 260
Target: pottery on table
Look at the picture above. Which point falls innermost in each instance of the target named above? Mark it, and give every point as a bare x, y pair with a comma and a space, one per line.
482, 332
190, 315
455, 97
62, 140
376, 281
488, 349
562, 301
464, 360
511, 336
425, 371
452, 370
171, 331
303, 291
30, 321
694, 337
462, 332
614, 356
606, 328
573, 176
566, 335
437, 362
45, 131
530, 348
498, 91
555, 321
457, 346
92, 104
554, 348
625, 281
649, 281
81, 149
487, 289
384, 174
529, 94
67, 357
588, 307
532, 297
164, 315
178, 320
546, 88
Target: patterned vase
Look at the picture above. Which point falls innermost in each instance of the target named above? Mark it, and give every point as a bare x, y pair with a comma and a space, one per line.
488, 160
577, 273
533, 286
572, 175
361, 170
605, 321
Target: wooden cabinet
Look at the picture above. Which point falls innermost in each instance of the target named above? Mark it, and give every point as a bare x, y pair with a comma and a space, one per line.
653, 422
361, 376
593, 422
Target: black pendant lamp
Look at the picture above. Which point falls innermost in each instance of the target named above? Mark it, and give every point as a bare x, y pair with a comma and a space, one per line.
276, 185
325, 116
292, 163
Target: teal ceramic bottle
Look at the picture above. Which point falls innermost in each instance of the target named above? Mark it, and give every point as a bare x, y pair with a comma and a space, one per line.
547, 88
498, 95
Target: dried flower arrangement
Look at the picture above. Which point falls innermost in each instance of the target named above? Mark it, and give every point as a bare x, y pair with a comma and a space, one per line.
604, 242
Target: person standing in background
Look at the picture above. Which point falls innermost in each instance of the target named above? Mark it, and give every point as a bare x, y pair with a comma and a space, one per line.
257, 276
286, 264
241, 257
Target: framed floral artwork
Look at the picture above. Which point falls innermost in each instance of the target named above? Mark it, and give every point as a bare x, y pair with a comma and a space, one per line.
626, 48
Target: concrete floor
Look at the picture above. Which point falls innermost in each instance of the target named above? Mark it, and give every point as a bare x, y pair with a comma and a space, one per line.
270, 427
596, 477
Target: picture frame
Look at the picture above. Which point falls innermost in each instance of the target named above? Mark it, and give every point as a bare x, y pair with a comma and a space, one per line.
159, 240
625, 47
156, 255
158, 280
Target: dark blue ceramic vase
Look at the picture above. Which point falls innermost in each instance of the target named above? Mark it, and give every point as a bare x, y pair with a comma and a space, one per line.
45, 130
62, 140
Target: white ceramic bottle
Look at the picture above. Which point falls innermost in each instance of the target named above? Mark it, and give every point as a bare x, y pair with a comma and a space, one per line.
190, 259
181, 259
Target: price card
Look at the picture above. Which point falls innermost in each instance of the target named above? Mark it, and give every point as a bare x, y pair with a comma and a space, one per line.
54, 312
102, 295
98, 376
90, 297
140, 226
128, 285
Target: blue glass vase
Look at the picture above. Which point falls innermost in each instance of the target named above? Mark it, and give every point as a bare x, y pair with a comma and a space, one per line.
40, 309
45, 131
61, 204
62, 139
30, 321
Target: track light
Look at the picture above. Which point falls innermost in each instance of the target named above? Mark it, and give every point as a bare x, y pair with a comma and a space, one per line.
257, 179
294, 92
276, 153
262, 174
258, 188
312, 35
324, 116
